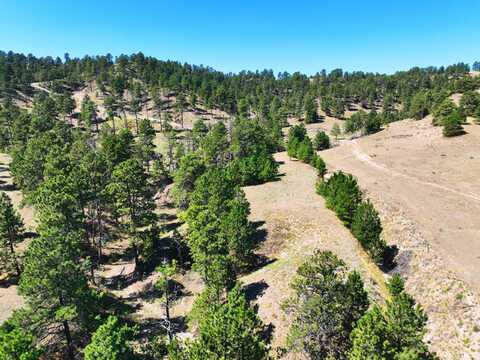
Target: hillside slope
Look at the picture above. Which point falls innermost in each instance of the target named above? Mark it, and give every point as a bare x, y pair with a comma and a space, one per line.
427, 191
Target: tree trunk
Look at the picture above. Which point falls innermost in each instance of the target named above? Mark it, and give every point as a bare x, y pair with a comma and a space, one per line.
167, 314
136, 121
68, 336
113, 124
12, 250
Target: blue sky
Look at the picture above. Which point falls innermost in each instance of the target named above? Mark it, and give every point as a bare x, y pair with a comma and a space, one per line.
297, 35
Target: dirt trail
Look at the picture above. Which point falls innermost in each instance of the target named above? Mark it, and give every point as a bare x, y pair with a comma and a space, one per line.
363, 157
296, 223
427, 192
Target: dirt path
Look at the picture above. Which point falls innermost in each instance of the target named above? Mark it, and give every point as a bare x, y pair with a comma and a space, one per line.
297, 223
365, 158
427, 192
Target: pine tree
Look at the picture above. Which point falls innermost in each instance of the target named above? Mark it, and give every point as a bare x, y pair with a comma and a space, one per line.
394, 332
16, 343
305, 150
470, 103
168, 292
215, 145
296, 135
133, 199
446, 108
336, 131
366, 227
325, 306
189, 169
321, 141
145, 148
11, 225
342, 195
310, 107
229, 330
452, 125
54, 284
110, 342
318, 163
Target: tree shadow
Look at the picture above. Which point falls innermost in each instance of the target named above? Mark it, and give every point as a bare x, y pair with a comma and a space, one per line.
154, 327
120, 281
172, 226
150, 293
29, 235
9, 281
389, 258
259, 232
7, 187
167, 217
267, 333
259, 261
254, 290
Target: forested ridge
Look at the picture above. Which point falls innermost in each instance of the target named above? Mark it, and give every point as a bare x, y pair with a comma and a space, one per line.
96, 180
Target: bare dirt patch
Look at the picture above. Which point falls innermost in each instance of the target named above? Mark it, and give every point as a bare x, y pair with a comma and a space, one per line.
297, 223
9, 298
427, 191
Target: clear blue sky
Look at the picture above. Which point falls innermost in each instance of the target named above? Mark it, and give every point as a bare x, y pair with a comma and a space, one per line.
297, 35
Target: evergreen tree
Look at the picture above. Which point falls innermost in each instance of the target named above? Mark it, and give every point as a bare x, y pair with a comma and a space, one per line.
325, 306
321, 141
54, 284
452, 124
311, 115
366, 227
318, 163
305, 150
342, 195
419, 107
470, 103
199, 131
145, 148
394, 332
88, 113
229, 330
16, 343
133, 200
215, 146
336, 131
442, 111
110, 342
11, 225
296, 135
189, 169
168, 292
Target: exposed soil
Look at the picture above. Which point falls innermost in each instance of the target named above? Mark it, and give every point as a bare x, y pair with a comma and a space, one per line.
297, 223
427, 191
9, 298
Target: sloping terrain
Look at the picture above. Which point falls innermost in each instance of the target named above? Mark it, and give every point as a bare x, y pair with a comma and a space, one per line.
427, 191
9, 299
296, 223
